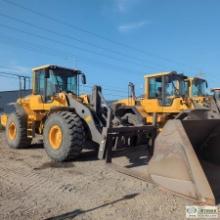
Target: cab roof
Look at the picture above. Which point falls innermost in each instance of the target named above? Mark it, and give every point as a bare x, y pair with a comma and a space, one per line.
214, 89
162, 74
196, 77
50, 66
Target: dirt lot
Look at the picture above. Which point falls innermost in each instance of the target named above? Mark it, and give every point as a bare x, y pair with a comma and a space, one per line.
32, 187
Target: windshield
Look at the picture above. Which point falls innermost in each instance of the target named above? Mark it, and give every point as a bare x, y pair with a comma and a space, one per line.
199, 87
174, 86
61, 81
184, 88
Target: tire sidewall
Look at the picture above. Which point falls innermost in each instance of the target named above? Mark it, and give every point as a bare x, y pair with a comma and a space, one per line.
16, 142
65, 147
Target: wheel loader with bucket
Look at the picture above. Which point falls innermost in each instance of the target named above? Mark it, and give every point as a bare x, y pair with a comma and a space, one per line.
67, 121
199, 97
216, 97
165, 96
185, 159
186, 154
168, 95
196, 91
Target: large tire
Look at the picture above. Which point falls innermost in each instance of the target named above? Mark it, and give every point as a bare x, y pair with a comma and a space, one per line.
16, 131
64, 136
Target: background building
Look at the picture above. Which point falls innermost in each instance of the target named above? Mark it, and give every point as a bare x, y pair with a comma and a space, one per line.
8, 98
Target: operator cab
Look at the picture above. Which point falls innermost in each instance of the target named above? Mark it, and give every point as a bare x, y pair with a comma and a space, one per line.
165, 87
199, 87
49, 80
216, 93
216, 96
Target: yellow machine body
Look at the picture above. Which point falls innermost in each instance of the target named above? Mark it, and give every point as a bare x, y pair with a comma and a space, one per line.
64, 119
185, 157
197, 91
165, 106
36, 108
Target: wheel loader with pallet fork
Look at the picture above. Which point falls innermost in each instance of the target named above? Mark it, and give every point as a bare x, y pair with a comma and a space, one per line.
185, 159
65, 120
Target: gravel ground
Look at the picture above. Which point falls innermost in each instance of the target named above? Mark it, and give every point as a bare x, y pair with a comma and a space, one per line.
33, 187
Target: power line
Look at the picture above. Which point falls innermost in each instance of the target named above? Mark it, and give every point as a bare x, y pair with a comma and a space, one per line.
91, 33
18, 76
67, 24
108, 86
104, 89
105, 86
67, 44
38, 48
13, 74
118, 53
57, 53
12, 68
4, 76
114, 93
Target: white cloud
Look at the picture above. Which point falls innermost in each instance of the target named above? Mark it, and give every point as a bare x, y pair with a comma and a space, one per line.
132, 26
124, 5
121, 5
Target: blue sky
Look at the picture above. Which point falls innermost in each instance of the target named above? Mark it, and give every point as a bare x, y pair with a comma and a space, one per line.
112, 41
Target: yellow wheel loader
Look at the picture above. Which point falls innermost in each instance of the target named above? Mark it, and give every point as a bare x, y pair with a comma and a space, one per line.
168, 95
186, 155
199, 97
216, 97
164, 97
196, 91
66, 121
185, 159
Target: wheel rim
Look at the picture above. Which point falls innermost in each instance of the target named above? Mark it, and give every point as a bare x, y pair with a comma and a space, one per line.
55, 137
12, 131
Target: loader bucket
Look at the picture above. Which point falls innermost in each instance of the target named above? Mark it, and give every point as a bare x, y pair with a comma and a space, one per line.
186, 159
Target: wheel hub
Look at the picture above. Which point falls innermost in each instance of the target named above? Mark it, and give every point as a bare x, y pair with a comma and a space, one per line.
55, 137
12, 131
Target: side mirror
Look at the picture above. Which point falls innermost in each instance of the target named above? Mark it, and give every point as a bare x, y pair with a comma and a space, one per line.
189, 83
47, 73
83, 78
206, 83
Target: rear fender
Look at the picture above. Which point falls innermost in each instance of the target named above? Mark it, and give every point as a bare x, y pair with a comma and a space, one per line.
4, 119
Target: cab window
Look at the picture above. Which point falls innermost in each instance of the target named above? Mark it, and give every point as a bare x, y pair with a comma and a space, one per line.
155, 85
55, 81
39, 82
165, 88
